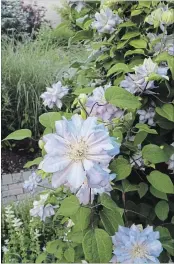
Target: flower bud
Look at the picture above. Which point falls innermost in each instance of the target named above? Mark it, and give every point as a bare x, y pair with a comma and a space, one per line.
41, 144
168, 17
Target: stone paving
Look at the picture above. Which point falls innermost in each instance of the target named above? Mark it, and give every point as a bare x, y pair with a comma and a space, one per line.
12, 186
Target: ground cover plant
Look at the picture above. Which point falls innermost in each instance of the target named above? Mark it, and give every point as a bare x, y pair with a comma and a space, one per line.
108, 141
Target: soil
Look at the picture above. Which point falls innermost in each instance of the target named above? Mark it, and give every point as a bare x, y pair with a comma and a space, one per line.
14, 161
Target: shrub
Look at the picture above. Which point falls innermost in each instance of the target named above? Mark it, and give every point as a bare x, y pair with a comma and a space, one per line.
19, 20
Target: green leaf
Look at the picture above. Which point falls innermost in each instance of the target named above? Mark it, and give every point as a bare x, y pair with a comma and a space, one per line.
97, 246
19, 134
83, 91
52, 246
81, 35
162, 210
49, 119
144, 4
76, 237
154, 154
130, 35
69, 206
128, 187
127, 24
59, 253
41, 258
145, 128
108, 203
164, 233
138, 43
158, 194
120, 45
118, 68
166, 111
161, 182
172, 220
33, 162
140, 137
121, 167
136, 12
69, 254
136, 51
82, 219
122, 98
143, 188
118, 135
48, 130
169, 246
111, 220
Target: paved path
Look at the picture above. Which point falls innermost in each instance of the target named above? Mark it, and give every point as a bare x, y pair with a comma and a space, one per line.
50, 5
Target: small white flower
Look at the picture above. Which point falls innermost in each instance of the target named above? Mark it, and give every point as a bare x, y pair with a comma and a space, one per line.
36, 234
70, 223
53, 95
6, 241
106, 20
32, 182
9, 212
5, 249
170, 163
17, 222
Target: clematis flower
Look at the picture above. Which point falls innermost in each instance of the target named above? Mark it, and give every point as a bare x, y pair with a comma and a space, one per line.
170, 163
53, 95
77, 151
97, 105
147, 116
41, 210
79, 5
86, 193
138, 82
162, 43
160, 17
105, 21
32, 182
135, 245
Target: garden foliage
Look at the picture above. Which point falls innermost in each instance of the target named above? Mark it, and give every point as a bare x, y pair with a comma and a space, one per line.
19, 19
110, 149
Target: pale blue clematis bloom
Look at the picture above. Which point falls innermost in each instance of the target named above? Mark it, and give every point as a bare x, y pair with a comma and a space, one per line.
32, 182
42, 210
105, 21
135, 245
77, 151
97, 105
138, 82
53, 95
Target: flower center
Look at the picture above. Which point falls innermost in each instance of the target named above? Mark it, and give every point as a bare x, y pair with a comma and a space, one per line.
138, 251
78, 151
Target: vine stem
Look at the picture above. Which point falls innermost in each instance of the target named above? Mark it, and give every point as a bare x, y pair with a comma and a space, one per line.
45, 187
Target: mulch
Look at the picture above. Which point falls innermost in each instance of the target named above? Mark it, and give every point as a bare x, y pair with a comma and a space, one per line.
14, 161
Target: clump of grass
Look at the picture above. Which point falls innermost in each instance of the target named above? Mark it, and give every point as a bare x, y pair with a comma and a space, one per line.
27, 68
